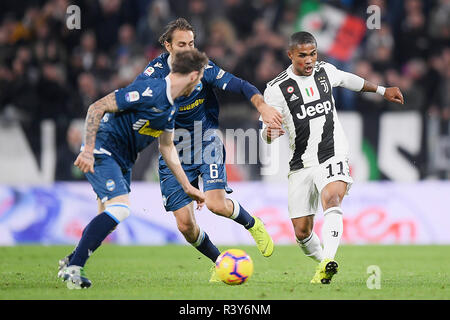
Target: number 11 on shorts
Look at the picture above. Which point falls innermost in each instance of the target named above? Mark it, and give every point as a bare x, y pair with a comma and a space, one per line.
340, 169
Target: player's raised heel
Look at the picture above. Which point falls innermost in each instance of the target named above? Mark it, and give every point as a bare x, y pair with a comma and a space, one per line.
262, 238
76, 278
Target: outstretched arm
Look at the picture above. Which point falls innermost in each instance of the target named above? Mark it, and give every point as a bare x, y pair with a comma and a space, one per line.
392, 94
170, 156
269, 115
85, 160
356, 83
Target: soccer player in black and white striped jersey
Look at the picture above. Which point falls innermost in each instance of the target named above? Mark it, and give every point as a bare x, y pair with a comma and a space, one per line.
319, 163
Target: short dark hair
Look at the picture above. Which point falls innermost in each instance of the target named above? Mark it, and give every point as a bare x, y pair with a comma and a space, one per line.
301, 37
178, 24
187, 61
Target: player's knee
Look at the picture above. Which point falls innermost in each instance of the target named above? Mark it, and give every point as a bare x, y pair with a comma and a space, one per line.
118, 211
302, 232
333, 194
217, 207
187, 229
330, 200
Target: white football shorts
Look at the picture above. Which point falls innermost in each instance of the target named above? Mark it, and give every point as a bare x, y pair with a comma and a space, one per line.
306, 184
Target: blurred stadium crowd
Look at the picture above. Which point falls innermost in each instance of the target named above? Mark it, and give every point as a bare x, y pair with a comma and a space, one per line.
50, 72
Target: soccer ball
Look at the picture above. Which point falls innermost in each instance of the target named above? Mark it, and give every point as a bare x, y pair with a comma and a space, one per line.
234, 266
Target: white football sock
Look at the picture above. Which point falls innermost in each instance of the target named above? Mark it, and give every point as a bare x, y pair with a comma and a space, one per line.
332, 229
311, 247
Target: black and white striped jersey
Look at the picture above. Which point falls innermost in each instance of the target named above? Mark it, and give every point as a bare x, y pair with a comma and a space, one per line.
309, 113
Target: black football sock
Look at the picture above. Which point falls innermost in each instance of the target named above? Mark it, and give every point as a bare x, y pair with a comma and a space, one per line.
241, 216
93, 235
206, 247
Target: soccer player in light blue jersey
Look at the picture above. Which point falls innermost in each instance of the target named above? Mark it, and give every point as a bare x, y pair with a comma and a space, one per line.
198, 113
117, 128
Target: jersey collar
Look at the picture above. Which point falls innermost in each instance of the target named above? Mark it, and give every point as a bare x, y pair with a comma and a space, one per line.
290, 71
169, 61
168, 94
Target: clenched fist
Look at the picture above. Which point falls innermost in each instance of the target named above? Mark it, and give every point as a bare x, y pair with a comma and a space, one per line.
85, 161
394, 94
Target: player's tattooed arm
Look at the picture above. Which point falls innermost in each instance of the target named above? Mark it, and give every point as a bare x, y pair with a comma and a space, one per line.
95, 113
392, 94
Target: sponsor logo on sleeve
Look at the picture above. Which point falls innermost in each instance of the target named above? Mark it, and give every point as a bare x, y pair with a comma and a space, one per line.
149, 71
220, 74
132, 96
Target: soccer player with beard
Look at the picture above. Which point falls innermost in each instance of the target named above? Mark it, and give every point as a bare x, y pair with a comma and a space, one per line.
202, 108
319, 169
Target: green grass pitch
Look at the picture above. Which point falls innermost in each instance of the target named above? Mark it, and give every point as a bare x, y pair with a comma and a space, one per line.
179, 272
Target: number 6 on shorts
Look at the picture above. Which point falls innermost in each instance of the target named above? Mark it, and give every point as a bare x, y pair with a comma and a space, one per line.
213, 171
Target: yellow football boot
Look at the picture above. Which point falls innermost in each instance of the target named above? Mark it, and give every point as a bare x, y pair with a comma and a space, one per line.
262, 238
326, 269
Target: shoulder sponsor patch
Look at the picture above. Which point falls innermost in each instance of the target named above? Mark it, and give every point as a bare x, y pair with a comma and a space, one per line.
132, 96
149, 71
220, 74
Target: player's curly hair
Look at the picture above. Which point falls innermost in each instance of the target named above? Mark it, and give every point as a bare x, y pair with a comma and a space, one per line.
185, 62
178, 24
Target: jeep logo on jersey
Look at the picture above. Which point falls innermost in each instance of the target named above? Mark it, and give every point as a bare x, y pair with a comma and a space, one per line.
312, 111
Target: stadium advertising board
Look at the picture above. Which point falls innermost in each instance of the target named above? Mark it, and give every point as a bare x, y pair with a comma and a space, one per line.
374, 213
